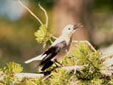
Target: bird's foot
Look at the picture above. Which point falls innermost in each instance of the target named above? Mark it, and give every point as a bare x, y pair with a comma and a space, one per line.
70, 56
58, 64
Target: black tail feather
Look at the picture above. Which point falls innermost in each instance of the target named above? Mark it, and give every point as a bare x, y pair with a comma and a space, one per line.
47, 65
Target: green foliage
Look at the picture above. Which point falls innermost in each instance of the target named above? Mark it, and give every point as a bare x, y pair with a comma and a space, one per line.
47, 3
13, 67
43, 36
60, 77
111, 82
36, 81
81, 54
103, 4
7, 73
90, 60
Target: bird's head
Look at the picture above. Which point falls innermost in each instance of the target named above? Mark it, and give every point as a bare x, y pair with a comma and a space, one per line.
70, 29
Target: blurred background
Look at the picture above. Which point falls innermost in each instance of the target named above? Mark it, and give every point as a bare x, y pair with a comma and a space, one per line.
17, 26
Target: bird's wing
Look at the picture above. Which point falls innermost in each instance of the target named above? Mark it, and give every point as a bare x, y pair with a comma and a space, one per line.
48, 54
58, 40
52, 52
37, 58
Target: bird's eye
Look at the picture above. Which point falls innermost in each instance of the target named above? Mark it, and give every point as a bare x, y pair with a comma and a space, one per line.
69, 28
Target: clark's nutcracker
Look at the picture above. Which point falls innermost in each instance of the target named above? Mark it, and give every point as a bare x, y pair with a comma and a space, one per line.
47, 58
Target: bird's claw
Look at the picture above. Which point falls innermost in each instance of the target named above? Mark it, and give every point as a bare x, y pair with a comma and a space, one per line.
70, 56
58, 64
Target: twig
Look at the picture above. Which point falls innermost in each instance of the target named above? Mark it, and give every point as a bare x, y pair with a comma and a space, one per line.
53, 37
87, 42
44, 13
70, 68
30, 12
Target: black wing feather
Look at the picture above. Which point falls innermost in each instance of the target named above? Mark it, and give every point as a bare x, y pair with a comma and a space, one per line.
52, 52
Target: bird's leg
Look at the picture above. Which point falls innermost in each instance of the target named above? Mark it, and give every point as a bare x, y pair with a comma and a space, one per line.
88, 43
68, 54
58, 64
46, 77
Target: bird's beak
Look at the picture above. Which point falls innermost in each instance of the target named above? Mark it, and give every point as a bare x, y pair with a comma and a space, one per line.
76, 26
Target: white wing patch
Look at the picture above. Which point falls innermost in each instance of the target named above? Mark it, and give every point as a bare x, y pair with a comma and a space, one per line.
37, 58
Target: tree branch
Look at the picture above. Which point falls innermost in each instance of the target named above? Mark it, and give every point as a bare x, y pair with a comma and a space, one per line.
30, 12
45, 14
87, 42
28, 75
36, 75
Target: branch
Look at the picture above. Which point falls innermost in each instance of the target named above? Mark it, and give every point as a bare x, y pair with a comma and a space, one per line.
87, 42
45, 14
53, 37
70, 68
36, 75
28, 75
30, 12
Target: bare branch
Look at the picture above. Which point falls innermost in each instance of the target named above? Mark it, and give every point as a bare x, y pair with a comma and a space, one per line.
53, 37
70, 68
28, 75
36, 75
30, 12
87, 42
45, 14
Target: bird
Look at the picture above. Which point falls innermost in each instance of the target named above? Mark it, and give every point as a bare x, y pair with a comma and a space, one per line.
47, 58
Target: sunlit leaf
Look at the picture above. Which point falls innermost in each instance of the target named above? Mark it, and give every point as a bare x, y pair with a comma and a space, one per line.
13, 67
43, 36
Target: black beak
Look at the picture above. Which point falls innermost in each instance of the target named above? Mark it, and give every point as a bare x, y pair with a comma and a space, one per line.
76, 26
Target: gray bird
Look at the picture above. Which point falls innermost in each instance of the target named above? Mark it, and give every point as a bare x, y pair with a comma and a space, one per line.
47, 58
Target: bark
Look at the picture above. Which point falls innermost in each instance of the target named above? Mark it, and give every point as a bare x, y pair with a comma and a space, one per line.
37, 75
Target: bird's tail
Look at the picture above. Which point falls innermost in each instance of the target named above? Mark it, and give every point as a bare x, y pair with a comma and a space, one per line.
37, 58
47, 65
